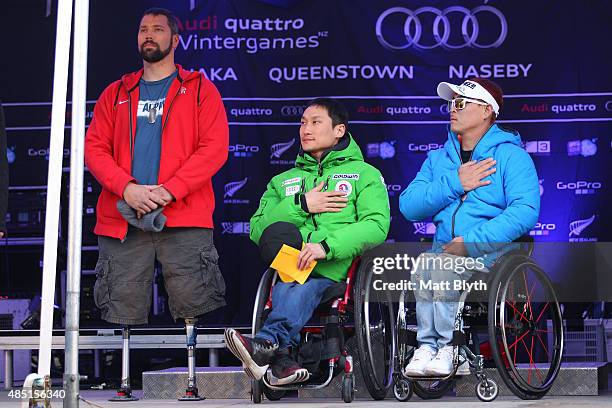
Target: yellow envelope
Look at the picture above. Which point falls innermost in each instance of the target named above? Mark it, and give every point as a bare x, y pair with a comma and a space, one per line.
285, 264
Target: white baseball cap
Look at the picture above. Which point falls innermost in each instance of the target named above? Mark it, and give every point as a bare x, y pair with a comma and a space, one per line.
469, 89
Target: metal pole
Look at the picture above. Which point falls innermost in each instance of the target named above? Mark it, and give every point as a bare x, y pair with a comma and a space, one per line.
8, 369
54, 182
75, 215
213, 357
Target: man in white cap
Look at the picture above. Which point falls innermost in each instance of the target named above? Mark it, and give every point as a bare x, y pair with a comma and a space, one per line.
482, 191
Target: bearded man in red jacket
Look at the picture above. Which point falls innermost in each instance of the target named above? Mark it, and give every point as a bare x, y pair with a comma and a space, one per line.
157, 137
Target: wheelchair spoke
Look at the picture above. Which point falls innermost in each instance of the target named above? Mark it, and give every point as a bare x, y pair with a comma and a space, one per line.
534, 364
514, 358
532, 289
531, 363
543, 345
542, 312
528, 297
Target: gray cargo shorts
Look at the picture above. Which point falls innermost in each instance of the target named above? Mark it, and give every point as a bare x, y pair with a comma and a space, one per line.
124, 274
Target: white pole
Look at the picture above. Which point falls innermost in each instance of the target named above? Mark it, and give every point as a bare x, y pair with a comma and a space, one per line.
54, 182
73, 281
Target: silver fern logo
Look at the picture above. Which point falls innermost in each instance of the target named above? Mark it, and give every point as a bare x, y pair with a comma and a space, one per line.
233, 187
278, 149
576, 227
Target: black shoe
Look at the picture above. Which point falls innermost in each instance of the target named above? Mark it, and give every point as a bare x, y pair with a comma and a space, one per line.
255, 353
286, 370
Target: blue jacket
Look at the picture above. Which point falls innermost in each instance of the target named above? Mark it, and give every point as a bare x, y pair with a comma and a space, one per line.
489, 215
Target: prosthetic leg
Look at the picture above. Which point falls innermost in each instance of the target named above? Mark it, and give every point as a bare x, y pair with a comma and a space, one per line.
191, 393
125, 392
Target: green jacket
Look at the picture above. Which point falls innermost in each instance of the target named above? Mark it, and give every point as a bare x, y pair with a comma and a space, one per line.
362, 224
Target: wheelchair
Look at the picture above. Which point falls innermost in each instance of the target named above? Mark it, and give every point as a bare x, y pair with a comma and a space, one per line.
522, 318
343, 313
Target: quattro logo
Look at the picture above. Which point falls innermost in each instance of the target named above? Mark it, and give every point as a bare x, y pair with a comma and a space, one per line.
441, 28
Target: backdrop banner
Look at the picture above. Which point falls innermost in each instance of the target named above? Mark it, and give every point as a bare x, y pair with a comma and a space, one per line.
384, 60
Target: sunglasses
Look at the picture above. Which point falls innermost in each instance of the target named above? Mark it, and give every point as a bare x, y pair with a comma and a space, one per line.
460, 103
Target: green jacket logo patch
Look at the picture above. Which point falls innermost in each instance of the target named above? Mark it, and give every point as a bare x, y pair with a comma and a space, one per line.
291, 190
345, 187
291, 181
354, 176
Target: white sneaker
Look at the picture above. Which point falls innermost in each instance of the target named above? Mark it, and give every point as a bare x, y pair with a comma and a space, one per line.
442, 364
464, 369
422, 356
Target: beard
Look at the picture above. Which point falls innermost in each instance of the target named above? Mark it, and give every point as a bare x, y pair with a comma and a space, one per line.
156, 54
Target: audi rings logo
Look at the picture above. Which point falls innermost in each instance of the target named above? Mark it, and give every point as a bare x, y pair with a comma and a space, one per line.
441, 28
294, 110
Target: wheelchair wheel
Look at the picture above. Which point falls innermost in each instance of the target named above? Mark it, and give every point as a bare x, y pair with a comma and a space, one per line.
431, 389
402, 389
261, 297
375, 332
524, 319
348, 388
258, 320
487, 392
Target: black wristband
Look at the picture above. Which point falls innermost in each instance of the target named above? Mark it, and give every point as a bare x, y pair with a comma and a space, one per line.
303, 203
325, 246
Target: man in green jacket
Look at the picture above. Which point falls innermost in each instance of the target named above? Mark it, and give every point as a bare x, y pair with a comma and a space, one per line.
331, 206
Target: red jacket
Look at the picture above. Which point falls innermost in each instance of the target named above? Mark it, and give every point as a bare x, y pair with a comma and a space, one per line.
195, 138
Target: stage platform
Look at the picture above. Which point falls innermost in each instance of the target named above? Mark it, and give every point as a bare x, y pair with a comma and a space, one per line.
575, 379
227, 382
